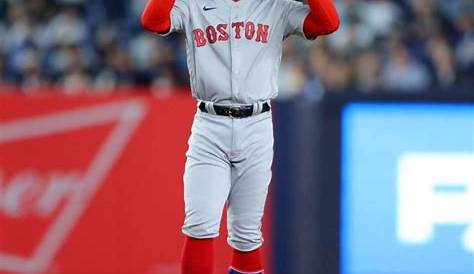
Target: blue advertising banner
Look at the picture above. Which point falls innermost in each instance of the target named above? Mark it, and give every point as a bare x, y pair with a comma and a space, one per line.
407, 188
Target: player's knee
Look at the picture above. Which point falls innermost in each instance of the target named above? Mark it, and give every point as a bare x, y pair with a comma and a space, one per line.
245, 235
202, 222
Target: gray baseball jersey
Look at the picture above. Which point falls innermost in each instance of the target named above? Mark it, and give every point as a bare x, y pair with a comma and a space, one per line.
234, 52
234, 48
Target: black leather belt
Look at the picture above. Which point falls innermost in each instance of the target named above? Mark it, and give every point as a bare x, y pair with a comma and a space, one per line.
243, 111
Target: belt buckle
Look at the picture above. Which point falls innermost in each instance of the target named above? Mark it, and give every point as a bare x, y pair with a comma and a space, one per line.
234, 112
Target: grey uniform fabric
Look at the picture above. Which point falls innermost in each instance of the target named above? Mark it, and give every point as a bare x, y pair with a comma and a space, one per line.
234, 51
228, 160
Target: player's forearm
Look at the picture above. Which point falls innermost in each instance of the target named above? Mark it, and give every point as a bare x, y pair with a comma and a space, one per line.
156, 16
323, 18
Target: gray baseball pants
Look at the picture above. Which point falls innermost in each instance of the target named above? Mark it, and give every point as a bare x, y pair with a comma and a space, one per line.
228, 161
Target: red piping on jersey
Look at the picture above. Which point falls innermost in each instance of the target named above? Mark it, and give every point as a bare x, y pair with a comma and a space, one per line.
156, 16
323, 19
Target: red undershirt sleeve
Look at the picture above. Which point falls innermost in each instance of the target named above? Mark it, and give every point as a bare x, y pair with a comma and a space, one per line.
322, 19
157, 16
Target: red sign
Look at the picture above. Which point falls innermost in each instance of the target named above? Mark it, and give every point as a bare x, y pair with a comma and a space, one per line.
94, 184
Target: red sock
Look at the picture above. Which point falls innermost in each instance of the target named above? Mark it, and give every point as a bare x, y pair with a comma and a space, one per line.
198, 256
247, 261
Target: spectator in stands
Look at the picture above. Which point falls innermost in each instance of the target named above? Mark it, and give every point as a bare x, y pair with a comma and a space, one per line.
368, 66
440, 56
403, 72
464, 51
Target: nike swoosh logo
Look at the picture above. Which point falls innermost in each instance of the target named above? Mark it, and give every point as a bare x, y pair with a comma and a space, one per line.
207, 9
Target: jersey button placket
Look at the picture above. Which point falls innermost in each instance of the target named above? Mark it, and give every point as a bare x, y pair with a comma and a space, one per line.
235, 52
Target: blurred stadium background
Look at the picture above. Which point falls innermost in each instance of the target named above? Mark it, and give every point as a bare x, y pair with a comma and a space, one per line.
406, 46
95, 114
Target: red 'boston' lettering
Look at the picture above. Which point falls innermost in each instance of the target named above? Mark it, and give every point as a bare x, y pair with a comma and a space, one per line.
200, 38
262, 33
222, 29
237, 27
211, 34
222, 32
249, 30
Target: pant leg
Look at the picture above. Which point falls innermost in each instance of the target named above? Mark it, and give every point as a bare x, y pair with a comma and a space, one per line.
207, 177
251, 175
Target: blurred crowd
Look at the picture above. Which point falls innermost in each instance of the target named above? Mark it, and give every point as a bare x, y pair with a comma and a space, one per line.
409, 46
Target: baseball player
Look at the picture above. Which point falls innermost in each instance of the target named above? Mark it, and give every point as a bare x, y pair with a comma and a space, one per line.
234, 50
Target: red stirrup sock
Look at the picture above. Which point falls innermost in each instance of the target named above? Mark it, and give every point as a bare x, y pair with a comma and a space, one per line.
198, 256
246, 262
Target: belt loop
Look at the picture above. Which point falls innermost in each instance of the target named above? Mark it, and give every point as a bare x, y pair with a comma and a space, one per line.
260, 107
210, 108
255, 109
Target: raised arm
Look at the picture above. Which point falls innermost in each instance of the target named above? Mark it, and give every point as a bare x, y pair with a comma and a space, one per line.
156, 16
323, 18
